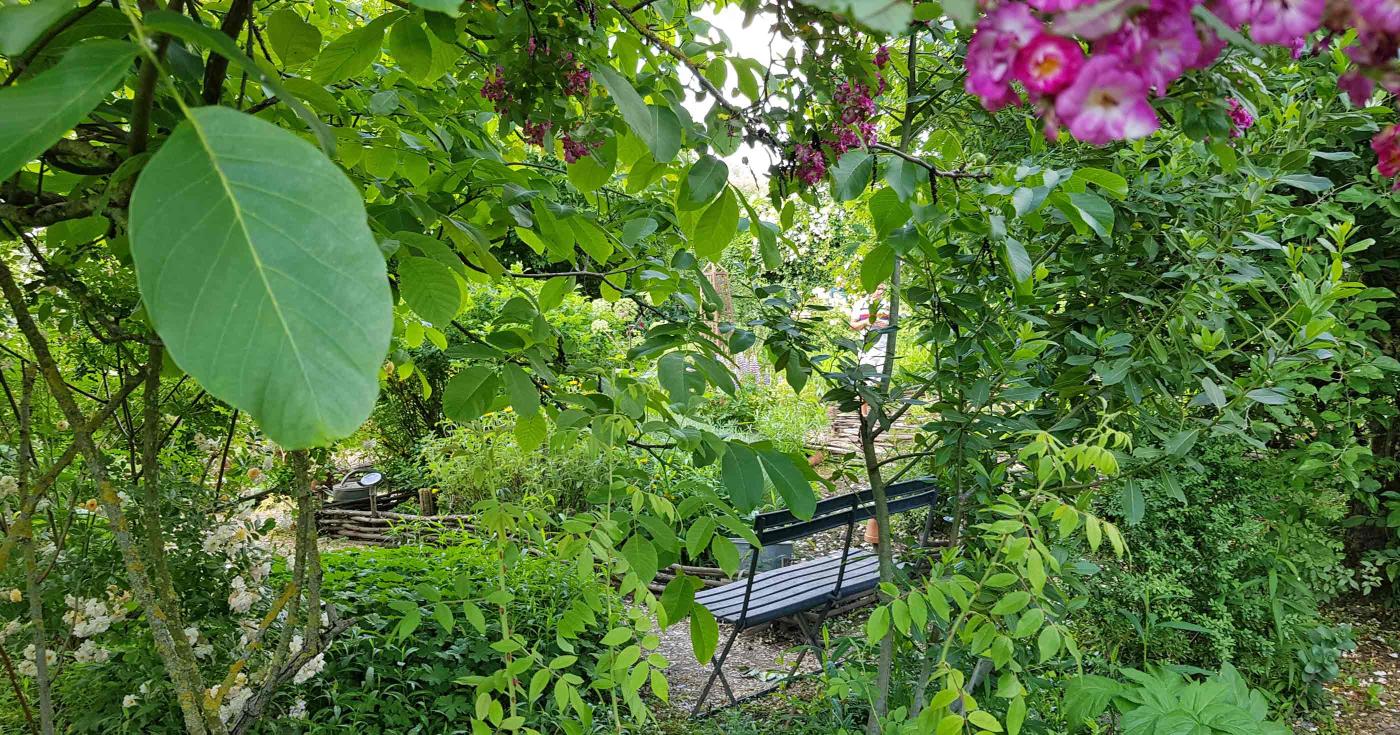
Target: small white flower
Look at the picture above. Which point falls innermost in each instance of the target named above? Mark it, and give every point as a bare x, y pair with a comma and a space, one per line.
312, 668
130, 701
90, 652
298, 710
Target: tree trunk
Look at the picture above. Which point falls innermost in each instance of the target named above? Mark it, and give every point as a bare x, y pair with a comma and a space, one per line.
885, 552
180, 664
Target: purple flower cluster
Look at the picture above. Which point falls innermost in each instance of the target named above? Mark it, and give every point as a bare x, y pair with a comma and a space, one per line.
495, 90
577, 78
811, 163
853, 128
536, 133
575, 149
855, 102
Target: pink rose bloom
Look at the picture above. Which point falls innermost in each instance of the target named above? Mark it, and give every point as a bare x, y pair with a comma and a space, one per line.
1106, 102
1240, 119
1211, 46
1386, 144
1047, 64
1160, 45
1357, 87
1278, 22
1059, 6
1383, 15
990, 53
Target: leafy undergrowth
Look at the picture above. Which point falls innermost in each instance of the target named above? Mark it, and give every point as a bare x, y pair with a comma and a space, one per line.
1365, 699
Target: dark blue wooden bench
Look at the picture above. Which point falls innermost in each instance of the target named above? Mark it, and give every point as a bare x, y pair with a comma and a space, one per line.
816, 585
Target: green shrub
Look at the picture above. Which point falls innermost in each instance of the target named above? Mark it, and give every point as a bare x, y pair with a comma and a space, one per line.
1225, 566
385, 675
483, 460
791, 421
89, 689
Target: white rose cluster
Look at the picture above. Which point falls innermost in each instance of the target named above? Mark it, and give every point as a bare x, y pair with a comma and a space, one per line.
225, 538
91, 653
90, 616
310, 669
241, 597
236, 700
28, 665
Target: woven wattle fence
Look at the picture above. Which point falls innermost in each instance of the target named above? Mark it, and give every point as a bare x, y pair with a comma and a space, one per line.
384, 528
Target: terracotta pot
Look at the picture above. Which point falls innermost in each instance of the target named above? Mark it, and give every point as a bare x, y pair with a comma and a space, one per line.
872, 532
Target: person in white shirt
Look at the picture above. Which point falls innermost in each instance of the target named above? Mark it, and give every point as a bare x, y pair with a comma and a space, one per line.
872, 314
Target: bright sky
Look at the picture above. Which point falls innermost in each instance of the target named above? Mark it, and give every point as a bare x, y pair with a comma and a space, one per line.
752, 42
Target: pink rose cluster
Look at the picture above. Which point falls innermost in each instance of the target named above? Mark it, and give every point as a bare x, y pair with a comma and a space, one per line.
1240, 119
1094, 65
1101, 96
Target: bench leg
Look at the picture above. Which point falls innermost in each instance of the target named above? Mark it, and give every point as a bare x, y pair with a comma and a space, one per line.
718, 663
814, 642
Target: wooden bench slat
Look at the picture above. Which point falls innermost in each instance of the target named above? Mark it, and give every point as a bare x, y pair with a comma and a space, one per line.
780, 582
793, 589
775, 577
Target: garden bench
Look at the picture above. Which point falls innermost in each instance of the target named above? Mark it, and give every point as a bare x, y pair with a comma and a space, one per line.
814, 586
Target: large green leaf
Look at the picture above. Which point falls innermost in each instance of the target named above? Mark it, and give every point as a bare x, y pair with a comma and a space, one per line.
294, 40
21, 25
888, 212
743, 476
469, 393
1086, 697
851, 175
1095, 211
641, 557
349, 55
717, 226
524, 396
260, 273
705, 179
430, 289
887, 16
449, 7
791, 483
36, 113
411, 47
876, 267
658, 127
704, 633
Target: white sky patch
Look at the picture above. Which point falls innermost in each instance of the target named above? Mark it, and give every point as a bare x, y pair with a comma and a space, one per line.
755, 41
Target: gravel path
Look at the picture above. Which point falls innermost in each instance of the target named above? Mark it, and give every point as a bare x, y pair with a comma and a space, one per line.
1365, 699
759, 658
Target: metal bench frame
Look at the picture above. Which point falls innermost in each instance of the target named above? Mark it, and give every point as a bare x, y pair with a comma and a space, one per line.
781, 525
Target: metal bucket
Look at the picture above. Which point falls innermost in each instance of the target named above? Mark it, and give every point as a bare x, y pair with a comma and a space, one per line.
770, 557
